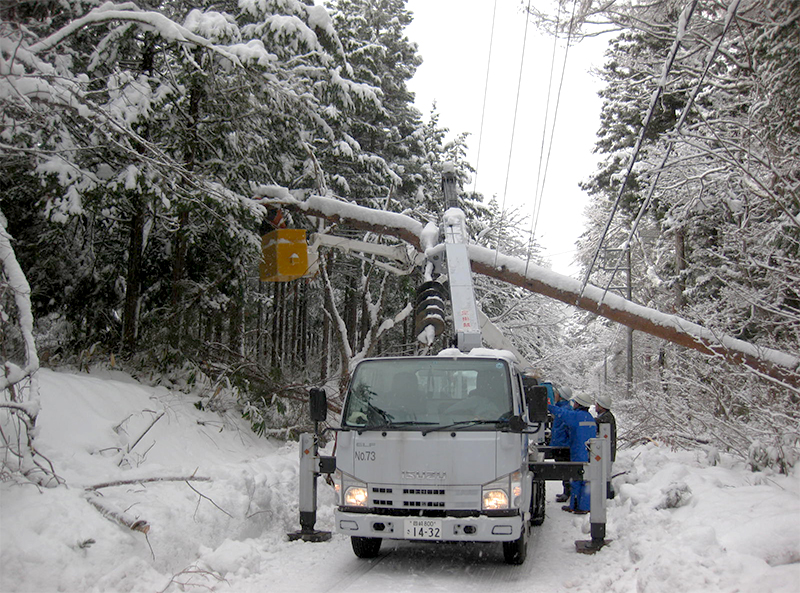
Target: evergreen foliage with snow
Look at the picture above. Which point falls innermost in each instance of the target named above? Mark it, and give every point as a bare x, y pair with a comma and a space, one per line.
715, 190
135, 136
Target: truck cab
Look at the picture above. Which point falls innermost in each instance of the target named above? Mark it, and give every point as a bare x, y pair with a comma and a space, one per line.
436, 448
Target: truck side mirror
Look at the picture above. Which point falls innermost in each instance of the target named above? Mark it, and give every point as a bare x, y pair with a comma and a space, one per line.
516, 424
536, 398
318, 401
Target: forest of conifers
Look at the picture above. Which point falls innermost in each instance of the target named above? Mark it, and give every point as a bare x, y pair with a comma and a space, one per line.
134, 136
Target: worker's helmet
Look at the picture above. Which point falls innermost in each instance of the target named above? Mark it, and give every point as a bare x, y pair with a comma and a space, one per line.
565, 392
582, 400
604, 400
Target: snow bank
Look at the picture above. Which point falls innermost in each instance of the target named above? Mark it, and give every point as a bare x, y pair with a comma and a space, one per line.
53, 540
681, 524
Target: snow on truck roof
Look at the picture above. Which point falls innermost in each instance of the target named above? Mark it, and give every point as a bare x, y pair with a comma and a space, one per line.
506, 355
480, 353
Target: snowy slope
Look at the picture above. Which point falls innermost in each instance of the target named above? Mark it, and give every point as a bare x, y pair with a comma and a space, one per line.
679, 523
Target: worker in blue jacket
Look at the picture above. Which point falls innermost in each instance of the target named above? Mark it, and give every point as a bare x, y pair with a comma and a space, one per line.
582, 427
559, 435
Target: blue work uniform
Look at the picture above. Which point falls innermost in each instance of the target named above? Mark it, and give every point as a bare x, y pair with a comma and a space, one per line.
582, 427
559, 436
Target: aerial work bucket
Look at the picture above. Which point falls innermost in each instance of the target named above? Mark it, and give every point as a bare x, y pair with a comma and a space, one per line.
284, 255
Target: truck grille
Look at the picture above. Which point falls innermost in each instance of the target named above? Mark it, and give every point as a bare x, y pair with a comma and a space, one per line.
408, 498
423, 491
419, 504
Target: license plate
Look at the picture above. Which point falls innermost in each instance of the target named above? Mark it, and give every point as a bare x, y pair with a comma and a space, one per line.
423, 528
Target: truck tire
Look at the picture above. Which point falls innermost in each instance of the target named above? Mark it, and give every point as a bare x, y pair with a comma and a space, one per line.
366, 547
538, 502
515, 552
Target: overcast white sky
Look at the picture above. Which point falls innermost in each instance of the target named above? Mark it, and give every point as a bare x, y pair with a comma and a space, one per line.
454, 39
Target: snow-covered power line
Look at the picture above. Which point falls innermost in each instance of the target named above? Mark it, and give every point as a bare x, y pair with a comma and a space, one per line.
683, 22
712, 54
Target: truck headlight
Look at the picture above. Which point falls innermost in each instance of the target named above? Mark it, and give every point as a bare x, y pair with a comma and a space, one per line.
494, 500
503, 493
356, 496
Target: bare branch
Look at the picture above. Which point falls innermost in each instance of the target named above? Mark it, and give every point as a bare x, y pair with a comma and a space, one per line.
146, 480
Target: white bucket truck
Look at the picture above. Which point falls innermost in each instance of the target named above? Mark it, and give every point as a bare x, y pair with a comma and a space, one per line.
445, 448
437, 448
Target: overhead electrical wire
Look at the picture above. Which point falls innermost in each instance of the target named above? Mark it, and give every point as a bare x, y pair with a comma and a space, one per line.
485, 95
536, 194
539, 187
537, 206
683, 22
514, 123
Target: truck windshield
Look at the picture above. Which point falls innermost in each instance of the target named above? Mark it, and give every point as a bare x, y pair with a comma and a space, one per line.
402, 394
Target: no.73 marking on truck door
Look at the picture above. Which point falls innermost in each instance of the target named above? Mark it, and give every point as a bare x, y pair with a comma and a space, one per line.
365, 455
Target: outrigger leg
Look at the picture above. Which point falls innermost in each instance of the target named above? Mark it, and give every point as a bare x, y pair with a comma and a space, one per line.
311, 466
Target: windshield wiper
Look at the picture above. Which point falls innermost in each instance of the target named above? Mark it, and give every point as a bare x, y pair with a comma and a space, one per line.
461, 424
390, 424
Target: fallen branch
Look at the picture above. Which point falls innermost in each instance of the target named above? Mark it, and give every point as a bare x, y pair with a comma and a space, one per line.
781, 367
191, 572
120, 517
208, 499
141, 436
145, 480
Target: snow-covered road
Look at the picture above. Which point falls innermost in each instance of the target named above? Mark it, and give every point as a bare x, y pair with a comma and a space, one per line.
426, 567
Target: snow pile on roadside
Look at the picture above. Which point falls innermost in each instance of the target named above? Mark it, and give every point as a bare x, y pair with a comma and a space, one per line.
698, 522
54, 540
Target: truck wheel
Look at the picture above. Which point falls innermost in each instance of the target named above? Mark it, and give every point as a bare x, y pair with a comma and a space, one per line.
366, 547
516, 551
538, 503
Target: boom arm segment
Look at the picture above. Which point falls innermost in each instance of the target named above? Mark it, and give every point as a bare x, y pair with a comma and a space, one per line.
459, 272
462, 298
408, 258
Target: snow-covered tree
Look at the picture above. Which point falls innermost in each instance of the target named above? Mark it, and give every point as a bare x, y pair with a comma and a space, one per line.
709, 209
380, 54
134, 136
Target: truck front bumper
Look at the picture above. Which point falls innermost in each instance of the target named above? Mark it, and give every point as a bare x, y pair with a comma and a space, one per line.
452, 529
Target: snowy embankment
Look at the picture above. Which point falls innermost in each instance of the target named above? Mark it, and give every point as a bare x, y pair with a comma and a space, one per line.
54, 540
679, 522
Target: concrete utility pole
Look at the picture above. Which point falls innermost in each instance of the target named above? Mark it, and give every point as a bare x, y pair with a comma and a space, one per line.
629, 296
611, 262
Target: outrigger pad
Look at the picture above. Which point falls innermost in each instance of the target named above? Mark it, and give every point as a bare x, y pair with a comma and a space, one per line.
590, 546
310, 536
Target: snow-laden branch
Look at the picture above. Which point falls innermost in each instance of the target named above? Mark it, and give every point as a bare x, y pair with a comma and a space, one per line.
128, 11
779, 366
21, 290
336, 211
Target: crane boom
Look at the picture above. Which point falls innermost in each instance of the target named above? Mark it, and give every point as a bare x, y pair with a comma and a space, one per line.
464, 309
